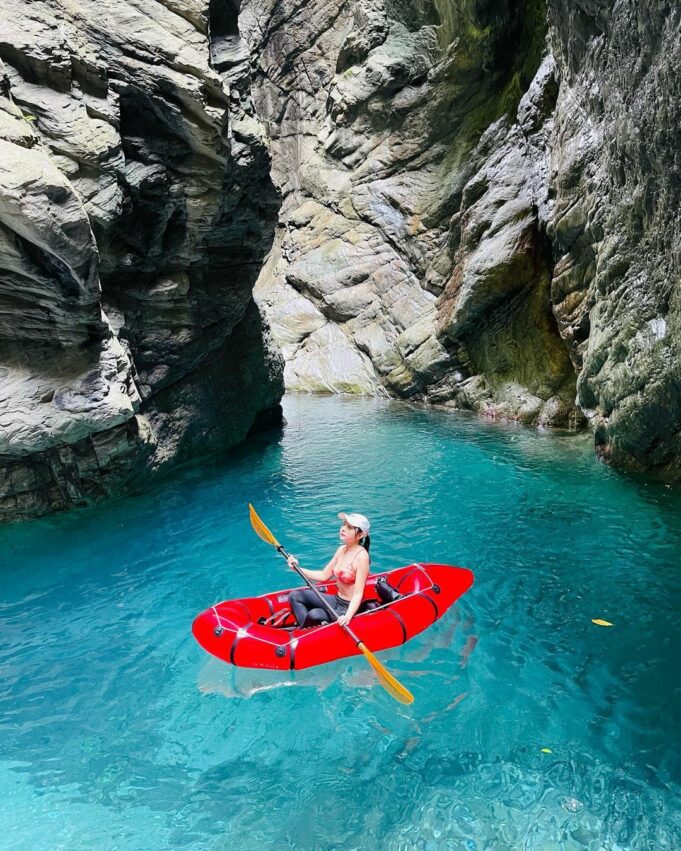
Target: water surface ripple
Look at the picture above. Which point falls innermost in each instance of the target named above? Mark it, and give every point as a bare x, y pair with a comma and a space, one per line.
532, 728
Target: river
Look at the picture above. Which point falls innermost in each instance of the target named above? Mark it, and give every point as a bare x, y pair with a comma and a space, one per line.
532, 727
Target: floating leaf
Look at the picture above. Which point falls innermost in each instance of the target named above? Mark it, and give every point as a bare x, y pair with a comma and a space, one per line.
546, 750
600, 622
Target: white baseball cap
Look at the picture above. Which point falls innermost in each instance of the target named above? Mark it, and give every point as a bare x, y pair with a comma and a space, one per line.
359, 521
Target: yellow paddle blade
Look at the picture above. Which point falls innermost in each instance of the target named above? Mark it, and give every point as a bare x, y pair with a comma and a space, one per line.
386, 679
260, 529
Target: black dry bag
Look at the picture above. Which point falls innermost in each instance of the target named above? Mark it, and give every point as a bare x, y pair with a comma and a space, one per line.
385, 590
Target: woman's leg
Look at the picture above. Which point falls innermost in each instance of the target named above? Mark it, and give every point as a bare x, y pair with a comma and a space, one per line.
316, 617
304, 600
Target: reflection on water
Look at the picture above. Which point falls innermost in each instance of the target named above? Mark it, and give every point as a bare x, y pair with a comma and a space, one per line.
532, 727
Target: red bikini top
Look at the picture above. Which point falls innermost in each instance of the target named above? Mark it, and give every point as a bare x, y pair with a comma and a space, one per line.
347, 574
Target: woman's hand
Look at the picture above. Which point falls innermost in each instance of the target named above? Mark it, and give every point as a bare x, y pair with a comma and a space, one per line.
293, 562
343, 620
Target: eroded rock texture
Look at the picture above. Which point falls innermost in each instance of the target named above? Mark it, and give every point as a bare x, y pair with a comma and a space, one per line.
409, 141
136, 208
616, 224
477, 202
480, 207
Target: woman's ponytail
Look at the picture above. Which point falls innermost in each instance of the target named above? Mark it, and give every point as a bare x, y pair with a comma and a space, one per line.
365, 542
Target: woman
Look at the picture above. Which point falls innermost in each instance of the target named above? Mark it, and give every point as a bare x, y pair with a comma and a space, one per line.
349, 567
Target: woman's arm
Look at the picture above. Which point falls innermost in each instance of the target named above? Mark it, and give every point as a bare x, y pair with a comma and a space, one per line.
358, 592
316, 575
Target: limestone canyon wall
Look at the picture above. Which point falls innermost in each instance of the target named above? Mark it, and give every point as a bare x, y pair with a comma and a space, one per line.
615, 222
410, 144
136, 208
480, 207
463, 202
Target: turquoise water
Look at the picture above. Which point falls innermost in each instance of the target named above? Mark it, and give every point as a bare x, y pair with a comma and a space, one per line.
118, 732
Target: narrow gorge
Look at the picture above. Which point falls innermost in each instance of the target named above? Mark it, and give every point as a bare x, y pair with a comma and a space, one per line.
469, 204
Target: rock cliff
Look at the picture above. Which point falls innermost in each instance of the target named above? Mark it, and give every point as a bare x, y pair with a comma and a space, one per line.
410, 142
467, 203
480, 208
615, 224
136, 208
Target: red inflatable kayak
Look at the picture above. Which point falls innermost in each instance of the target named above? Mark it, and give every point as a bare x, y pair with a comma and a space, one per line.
255, 632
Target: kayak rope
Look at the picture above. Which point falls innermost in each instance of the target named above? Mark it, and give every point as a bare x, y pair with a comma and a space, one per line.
425, 573
230, 625
219, 619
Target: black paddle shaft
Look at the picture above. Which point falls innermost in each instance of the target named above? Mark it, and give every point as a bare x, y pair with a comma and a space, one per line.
324, 602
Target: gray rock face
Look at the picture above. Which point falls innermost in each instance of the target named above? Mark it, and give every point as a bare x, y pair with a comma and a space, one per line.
136, 208
410, 237
477, 206
470, 220
495, 309
615, 227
